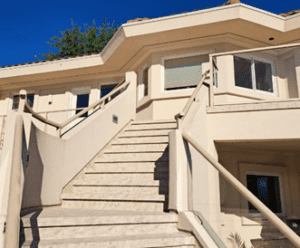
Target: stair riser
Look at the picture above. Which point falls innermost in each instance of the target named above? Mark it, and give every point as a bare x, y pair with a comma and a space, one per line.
65, 232
142, 140
134, 157
152, 126
99, 167
137, 148
115, 205
120, 190
125, 176
119, 177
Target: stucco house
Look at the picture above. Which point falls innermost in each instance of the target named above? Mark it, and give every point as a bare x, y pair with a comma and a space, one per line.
182, 131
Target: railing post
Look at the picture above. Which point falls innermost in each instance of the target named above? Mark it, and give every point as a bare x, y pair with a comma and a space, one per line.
22, 101
211, 81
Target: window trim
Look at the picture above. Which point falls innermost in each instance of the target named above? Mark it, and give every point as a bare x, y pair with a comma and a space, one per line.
254, 86
73, 97
141, 86
178, 56
264, 170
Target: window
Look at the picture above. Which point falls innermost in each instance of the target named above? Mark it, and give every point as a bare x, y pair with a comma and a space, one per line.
253, 73
183, 72
82, 102
106, 89
269, 183
144, 82
16, 99
267, 189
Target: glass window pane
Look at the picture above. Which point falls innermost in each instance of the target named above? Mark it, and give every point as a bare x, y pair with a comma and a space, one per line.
105, 89
16, 99
263, 76
266, 189
30, 98
145, 81
82, 102
183, 72
242, 72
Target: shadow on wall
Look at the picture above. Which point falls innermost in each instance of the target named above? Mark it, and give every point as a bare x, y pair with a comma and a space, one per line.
161, 173
33, 174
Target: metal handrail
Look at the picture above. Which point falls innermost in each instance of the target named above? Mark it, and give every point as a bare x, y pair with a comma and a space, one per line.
273, 218
180, 116
24, 105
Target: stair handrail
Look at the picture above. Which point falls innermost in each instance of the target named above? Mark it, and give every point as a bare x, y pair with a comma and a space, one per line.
273, 218
12, 223
25, 106
180, 116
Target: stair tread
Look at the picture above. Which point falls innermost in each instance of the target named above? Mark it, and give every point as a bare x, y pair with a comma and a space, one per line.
75, 217
127, 169
115, 182
118, 197
126, 241
153, 122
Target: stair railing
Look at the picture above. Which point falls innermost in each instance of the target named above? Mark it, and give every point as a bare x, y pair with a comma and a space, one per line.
24, 106
180, 116
12, 169
273, 218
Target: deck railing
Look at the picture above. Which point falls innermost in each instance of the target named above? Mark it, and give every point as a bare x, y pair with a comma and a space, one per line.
24, 106
213, 64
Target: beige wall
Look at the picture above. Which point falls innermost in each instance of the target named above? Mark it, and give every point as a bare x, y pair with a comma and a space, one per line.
55, 161
165, 103
234, 159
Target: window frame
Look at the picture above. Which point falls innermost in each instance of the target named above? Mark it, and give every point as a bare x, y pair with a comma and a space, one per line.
265, 173
252, 58
141, 85
73, 98
178, 56
264, 170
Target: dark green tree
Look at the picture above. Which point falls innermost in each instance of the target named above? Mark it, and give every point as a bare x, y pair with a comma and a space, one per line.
74, 42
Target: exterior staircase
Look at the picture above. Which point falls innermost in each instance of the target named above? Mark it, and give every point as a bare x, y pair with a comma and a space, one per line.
118, 200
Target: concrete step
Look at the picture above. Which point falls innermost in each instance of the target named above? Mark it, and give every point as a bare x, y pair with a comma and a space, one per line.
160, 147
134, 157
145, 133
153, 121
141, 140
152, 183
121, 189
124, 176
177, 239
115, 197
152, 126
114, 205
65, 223
129, 167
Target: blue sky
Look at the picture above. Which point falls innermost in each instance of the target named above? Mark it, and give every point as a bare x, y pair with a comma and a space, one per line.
25, 26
